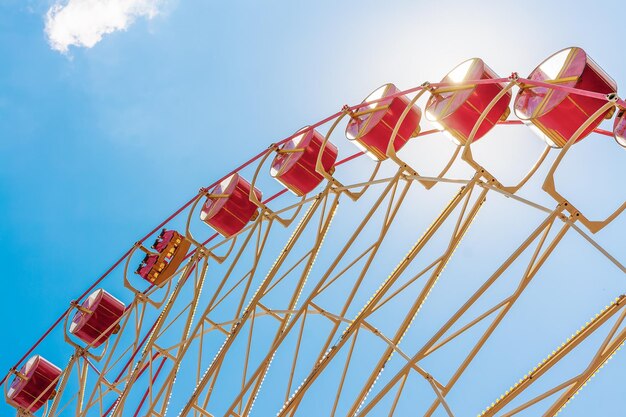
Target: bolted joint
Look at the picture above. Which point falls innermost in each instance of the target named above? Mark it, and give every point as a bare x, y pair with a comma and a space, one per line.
347, 110
80, 308
18, 374
612, 97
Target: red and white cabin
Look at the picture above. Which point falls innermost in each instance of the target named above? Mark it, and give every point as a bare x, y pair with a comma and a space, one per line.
619, 128
555, 115
371, 126
294, 166
456, 110
228, 208
98, 318
34, 384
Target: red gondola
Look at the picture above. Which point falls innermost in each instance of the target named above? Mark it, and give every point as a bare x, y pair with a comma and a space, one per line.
228, 208
557, 114
34, 384
172, 248
294, 166
457, 109
371, 127
97, 318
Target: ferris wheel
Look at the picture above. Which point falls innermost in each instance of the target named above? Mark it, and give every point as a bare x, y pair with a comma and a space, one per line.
341, 293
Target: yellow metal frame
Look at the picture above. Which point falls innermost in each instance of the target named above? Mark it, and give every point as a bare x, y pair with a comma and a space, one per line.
469, 158
183, 323
549, 185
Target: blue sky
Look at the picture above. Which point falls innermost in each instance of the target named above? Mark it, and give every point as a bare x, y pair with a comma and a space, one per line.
100, 143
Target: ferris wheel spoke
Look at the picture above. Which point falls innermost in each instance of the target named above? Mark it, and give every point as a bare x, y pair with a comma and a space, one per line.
344, 373
328, 354
599, 247
407, 284
173, 352
462, 225
388, 217
323, 227
260, 242
610, 344
540, 397
148, 349
537, 260
397, 397
218, 297
110, 361
163, 395
391, 211
602, 357
260, 292
296, 353
441, 398
254, 383
541, 233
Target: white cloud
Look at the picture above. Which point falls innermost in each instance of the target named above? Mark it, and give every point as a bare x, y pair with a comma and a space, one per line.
85, 22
